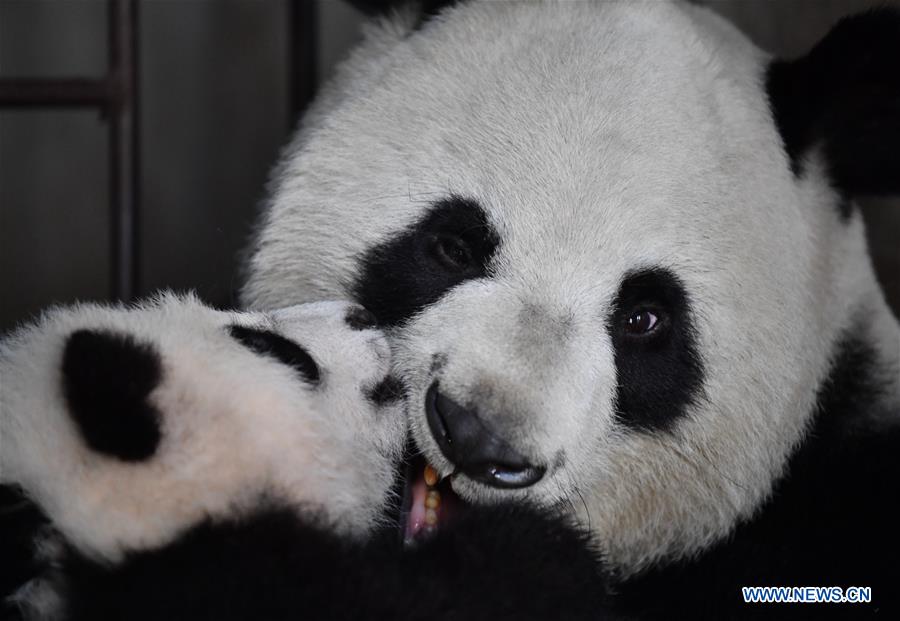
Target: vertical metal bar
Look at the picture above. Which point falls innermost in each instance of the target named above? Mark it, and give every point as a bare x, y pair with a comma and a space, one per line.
123, 147
302, 63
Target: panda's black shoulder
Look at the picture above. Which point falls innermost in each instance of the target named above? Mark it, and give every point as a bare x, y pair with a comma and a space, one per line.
21, 523
832, 519
494, 563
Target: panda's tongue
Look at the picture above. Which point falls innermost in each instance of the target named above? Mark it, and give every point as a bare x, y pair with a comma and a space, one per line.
430, 507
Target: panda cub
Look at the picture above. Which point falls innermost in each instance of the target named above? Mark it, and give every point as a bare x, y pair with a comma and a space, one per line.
125, 427
194, 463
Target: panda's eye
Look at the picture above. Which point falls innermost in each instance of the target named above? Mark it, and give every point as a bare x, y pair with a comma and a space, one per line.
451, 252
641, 322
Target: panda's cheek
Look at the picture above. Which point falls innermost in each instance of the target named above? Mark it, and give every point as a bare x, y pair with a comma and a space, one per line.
391, 433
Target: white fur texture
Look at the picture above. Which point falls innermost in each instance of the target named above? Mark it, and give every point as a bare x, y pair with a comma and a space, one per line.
236, 425
600, 138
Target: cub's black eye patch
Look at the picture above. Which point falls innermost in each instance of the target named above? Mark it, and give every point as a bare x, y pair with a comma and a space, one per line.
659, 370
107, 378
454, 242
358, 318
284, 350
390, 389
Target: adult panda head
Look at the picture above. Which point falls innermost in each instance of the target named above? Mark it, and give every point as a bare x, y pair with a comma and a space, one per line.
614, 244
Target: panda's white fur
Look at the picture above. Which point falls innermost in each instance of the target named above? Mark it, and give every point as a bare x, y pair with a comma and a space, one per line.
599, 138
237, 427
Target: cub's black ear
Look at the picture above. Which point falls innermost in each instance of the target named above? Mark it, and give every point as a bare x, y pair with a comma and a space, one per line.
425, 8
844, 97
107, 378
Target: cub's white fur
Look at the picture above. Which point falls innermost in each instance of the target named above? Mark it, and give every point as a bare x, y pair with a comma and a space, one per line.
236, 426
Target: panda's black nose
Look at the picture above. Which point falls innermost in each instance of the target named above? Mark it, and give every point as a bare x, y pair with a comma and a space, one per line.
473, 448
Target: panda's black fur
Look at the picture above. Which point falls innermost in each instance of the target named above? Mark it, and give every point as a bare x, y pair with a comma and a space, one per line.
272, 565
495, 563
21, 522
832, 520
844, 94
105, 374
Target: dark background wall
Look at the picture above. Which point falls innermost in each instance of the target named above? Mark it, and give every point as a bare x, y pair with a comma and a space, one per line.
214, 95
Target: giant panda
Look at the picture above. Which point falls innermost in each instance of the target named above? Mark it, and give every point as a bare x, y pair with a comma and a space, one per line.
616, 255
172, 461
616, 250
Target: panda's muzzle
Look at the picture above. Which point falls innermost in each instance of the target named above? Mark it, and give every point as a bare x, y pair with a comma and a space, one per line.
473, 448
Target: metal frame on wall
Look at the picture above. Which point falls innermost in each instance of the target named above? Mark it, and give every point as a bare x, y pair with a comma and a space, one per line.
115, 96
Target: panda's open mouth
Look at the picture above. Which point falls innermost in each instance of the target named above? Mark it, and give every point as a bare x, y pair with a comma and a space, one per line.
428, 502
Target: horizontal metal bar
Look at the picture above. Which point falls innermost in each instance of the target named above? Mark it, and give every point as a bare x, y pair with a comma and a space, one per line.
66, 92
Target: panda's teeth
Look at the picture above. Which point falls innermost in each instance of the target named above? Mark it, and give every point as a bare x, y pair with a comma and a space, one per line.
431, 476
432, 496
427, 506
433, 505
432, 500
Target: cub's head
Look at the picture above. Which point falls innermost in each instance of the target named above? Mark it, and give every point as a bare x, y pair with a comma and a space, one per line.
128, 426
614, 244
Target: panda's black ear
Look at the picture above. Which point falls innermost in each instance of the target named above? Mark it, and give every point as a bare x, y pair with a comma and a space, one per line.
425, 8
844, 97
107, 379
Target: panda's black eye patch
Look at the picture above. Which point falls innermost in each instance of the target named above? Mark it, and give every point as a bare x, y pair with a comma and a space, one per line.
453, 243
358, 318
658, 368
107, 378
281, 349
